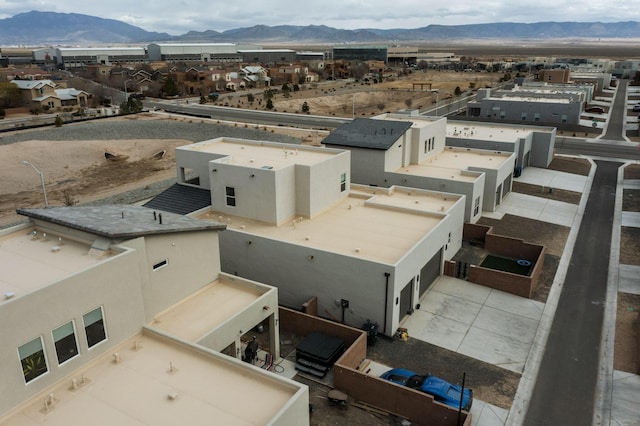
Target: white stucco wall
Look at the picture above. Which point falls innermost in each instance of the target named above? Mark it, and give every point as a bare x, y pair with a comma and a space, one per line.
192, 263
112, 284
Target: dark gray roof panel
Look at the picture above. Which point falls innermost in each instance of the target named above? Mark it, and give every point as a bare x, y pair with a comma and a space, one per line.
181, 199
119, 222
368, 133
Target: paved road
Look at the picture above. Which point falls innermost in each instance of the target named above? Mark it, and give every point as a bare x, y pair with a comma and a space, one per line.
617, 113
251, 116
564, 393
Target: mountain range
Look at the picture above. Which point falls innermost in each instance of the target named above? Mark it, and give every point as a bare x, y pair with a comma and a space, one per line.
50, 28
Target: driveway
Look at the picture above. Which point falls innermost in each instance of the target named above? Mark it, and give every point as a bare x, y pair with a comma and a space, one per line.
477, 321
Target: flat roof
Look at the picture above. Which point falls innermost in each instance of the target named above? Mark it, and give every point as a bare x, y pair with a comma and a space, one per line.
207, 309
158, 382
119, 221
260, 155
379, 224
488, 132
453, 164
32, 261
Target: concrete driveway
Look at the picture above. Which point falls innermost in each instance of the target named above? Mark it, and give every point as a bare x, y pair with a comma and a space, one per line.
545, 210
477, 321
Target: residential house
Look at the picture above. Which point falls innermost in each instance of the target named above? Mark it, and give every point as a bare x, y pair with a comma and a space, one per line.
121, 312
396, 149
295, 220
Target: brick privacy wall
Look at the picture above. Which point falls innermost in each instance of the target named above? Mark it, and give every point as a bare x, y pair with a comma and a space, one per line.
507, 282
419, 408
473, 231
514, 248
311, 306
302, 324
449, 268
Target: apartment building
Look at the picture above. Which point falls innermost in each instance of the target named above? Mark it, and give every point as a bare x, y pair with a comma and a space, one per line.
116, 314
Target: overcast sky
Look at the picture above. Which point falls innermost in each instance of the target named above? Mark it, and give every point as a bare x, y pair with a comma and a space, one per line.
180, 16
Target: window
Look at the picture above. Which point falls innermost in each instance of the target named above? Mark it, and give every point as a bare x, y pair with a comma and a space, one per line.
94, 327
160, 264
523, 116
427, 142
343, 182
564, 118
536, 116
64, 338
231, 196
476, 206
34, 363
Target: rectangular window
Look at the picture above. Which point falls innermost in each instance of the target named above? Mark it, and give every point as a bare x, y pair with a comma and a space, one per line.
160, 264
343, 182
64, 338
32, 358
94, 327
563, 118
536, 117
476, 207
231, 196
523, 116
426, 145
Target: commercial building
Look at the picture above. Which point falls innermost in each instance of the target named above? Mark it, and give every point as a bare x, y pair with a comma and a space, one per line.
267, 56
78, 57
116, 314
200, 52
360, 53
295, 221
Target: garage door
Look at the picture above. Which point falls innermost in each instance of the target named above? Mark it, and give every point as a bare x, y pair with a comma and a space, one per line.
429, 272
405, 300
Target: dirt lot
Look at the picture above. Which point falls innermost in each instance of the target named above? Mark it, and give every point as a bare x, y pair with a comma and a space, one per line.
367, 99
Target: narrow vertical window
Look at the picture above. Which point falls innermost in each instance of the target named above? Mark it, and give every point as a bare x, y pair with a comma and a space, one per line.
231, 196
426, 145
343, 182
94, 327
32, 358
64, 338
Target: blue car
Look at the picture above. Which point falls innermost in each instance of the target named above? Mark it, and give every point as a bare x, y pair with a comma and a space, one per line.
441, 390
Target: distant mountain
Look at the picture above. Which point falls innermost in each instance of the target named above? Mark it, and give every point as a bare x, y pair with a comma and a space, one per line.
50, 28
503, 30
47, 28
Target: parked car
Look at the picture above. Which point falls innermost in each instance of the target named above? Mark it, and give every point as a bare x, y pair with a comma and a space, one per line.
441, 390
636, 108
596, 110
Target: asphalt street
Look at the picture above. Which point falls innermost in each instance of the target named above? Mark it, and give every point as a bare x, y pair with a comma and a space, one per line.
564, 393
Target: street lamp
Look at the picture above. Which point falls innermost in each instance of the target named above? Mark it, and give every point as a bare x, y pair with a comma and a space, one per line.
44, 189
126, 98
436, 91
